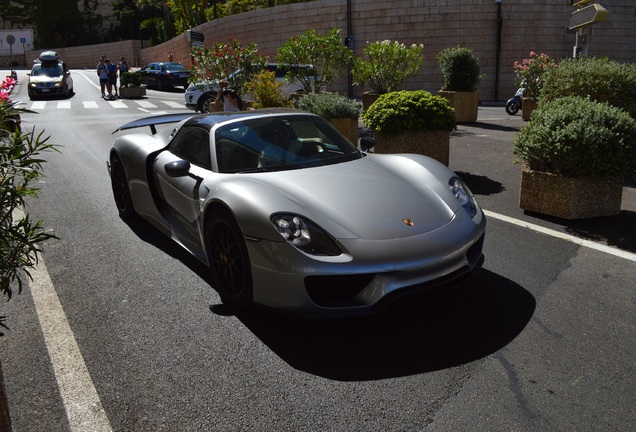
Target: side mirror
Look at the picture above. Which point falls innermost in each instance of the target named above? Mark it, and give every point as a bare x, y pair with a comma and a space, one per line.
366, 143
177, 168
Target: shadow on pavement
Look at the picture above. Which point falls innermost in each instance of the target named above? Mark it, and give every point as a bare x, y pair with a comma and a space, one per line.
618, 231
465, 325
481, 185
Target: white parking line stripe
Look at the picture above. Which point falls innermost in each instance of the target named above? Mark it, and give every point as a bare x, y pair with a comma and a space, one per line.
585, 243
81, 401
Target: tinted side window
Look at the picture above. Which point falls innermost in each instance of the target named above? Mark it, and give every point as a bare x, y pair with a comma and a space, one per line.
192, 144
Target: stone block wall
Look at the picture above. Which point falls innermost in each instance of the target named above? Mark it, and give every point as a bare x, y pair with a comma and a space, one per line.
527, 25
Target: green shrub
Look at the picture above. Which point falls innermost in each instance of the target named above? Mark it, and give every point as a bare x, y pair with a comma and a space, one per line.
329, 106
130, 79
397, 112
577, 137
266, 90
598, 79
460, 69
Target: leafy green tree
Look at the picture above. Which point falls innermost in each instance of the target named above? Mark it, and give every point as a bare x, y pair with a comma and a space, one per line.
188, 13
328, 55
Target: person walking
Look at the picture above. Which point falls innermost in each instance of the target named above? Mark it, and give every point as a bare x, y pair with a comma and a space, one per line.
170, 57
112, 79
102, 73
122, 67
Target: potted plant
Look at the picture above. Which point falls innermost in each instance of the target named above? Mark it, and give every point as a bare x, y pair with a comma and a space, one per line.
130, 85
461, 72
340, 111
412, 122
576, 154
529, 75
387, 66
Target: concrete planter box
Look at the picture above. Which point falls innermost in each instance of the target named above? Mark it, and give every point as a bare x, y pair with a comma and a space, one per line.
527, 106
569, 197
368, 98
347, 127
434, 144
132, 92
466, 104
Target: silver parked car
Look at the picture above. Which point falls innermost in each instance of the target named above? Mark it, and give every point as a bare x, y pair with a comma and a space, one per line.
49, 77
288, 214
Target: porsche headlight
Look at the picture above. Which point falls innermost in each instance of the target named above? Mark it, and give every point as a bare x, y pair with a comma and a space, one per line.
463, 195
305, 235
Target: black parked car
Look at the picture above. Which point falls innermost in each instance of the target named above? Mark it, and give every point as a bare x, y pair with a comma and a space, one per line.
164, 75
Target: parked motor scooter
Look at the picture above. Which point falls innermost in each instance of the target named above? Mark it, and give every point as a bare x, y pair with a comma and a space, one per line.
514, 104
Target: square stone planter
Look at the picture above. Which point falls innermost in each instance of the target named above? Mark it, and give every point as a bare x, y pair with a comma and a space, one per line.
132, 92
527, 106
347, 127
434, 144
569, 197
466, 104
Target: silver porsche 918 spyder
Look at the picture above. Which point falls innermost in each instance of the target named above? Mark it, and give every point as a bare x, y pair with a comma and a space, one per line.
289, 214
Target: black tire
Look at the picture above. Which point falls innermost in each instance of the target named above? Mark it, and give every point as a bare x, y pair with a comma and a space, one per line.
229, 262
121, 192
205, 102
512, 108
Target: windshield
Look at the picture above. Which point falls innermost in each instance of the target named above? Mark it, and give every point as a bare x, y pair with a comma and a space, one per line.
47, 69
280, 143
175, 67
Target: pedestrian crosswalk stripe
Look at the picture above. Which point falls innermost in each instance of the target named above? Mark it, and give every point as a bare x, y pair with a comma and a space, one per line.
117, 104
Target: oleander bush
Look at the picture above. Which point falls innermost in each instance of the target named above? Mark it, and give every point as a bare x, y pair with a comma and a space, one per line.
329, 106
576, 137
21, 166
597, 79
406, 110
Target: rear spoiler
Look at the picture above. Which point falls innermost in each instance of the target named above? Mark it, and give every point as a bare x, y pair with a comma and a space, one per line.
155, 120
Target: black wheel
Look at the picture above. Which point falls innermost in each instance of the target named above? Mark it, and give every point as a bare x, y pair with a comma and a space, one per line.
512, 108
229, 262
121, 192
206, 102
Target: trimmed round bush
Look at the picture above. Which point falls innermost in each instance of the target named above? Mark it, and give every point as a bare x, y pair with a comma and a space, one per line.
460, 68
598, 79
402, 111
577, 137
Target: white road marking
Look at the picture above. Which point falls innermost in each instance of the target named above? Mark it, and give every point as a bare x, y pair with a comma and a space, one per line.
585, 243
81, 401
173, 104
117, 104
90, 104
64, 105
145, 104
38, 105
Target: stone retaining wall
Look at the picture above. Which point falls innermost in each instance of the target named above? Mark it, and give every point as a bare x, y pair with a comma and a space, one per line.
528, 25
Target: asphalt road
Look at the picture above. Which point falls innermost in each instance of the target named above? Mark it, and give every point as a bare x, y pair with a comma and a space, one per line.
120, 329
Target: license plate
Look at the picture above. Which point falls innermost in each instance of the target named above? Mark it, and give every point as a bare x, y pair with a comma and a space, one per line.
45, 90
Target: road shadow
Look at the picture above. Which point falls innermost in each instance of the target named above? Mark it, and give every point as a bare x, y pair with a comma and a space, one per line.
462, 326
618, 231
151, 235
482, 125
481, 185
